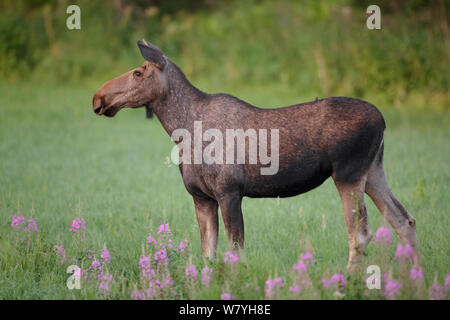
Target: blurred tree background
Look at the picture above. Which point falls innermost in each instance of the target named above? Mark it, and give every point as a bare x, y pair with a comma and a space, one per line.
316, 48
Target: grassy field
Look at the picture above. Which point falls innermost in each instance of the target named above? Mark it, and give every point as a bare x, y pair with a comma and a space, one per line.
58, 162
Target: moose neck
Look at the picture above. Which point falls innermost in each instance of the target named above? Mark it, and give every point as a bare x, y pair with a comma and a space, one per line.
180, 103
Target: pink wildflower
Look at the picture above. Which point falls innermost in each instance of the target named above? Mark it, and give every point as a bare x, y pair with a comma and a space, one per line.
151, 240
18, 222
61, 251
167, 283
392, 287
105, 256
300, 267
272, 286
78, 226
182, 246
144, 266
231, 257
191, 271
164, 229
404, 252
161, 257
383, 235
337, 279
325, 282
307, 258
105, 282
415, 274
96, 266
295, 289
32, 225
306, 283
206, 276
436, 292
447, 282
226, 296
137, 295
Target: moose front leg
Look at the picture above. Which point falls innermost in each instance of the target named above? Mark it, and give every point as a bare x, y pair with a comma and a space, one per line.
206, 210
230, 206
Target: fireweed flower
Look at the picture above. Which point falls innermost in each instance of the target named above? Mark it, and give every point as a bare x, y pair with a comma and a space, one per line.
447, 283
191, 271
306, 283
163, 230
90, 253
161, 257
206, 276
337, 279
300, 267
105, 282
61, 251
144, 266
167, 283
307, 258
18, 222
404, 253
392, 287
96, 266
272, 286
295, 289
137, 295
415, 274
105, 256
231, 257
226, 296
182, 246
32, 225
151, 240
436, 292
78, 226
325, 282
383, 235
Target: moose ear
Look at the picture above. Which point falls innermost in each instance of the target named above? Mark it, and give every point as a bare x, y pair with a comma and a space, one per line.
152, 53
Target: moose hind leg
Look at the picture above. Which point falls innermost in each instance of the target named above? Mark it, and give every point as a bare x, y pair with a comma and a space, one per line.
206, 210
355, 214
393, 211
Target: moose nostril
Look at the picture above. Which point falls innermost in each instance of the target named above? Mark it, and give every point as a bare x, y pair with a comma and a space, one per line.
97, 110
97, 104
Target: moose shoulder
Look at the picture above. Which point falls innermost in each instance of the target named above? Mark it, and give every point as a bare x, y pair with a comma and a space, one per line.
338, 137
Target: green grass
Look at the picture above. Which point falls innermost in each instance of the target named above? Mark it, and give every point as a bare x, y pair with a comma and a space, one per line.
59, 161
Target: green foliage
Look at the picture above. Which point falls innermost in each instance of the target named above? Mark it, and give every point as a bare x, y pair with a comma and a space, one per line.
319, 48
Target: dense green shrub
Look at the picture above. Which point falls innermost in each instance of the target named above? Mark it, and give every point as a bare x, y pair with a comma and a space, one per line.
316, 47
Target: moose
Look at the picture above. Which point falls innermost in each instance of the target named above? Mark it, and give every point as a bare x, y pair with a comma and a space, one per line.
337, 137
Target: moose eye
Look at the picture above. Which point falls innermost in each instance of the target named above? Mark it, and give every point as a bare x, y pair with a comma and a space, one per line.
138, 73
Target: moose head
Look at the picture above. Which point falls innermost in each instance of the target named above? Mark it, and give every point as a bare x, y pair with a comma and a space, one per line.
136, 88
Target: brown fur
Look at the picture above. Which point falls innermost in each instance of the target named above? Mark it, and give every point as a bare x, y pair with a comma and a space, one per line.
338, 137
